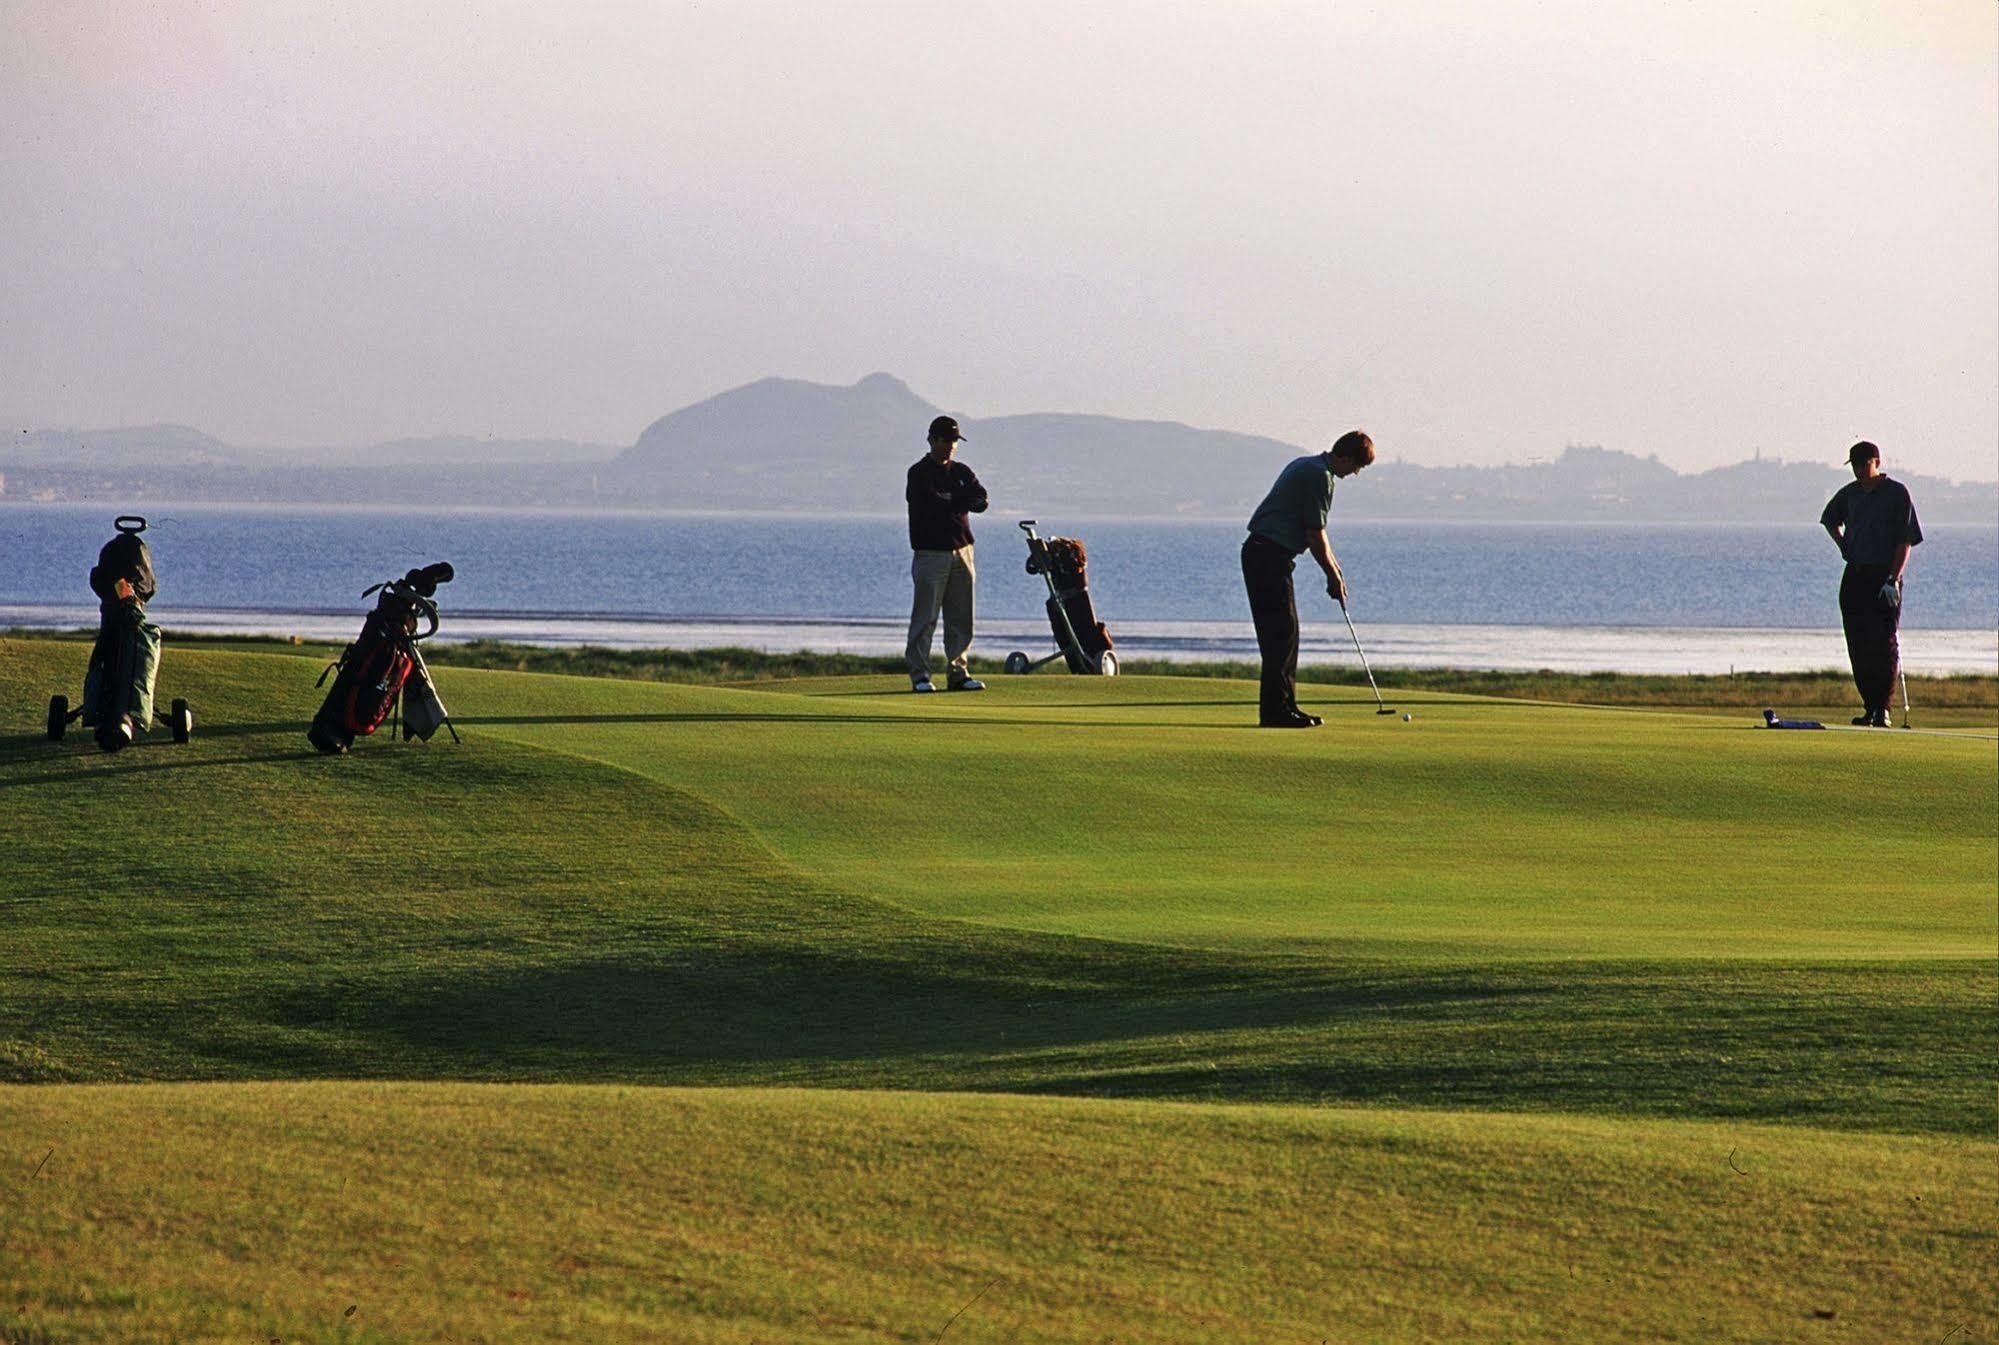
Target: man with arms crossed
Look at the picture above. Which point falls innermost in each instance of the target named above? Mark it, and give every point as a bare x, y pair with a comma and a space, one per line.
941, 494
1291, 521
1872, 521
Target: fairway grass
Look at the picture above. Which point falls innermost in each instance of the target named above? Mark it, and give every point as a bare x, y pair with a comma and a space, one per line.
441, 1212
1538, 970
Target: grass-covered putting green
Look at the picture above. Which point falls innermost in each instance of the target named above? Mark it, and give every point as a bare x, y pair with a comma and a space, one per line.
1110, 890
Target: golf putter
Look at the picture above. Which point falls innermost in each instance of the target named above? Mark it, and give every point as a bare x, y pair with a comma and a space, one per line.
1904, 674
1382, 707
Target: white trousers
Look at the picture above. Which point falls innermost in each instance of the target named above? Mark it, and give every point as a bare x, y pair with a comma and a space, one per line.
944, 581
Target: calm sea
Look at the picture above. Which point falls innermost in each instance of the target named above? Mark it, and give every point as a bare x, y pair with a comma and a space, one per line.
1572, 596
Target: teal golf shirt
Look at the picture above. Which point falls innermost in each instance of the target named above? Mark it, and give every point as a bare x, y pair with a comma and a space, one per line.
1297, 505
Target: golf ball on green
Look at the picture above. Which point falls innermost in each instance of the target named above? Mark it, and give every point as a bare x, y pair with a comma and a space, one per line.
1406, 716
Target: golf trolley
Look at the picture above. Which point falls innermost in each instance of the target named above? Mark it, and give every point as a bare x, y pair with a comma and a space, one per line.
382, 672
125, 661
1062, 563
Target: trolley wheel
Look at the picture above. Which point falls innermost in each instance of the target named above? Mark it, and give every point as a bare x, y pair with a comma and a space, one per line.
1107, 664
182, 721
58, 717
1016, 663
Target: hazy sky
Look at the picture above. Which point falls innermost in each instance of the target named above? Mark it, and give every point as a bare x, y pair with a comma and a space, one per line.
1482, 230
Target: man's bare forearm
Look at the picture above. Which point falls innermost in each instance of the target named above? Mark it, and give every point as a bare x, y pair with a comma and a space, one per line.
1901, 560
1322, 551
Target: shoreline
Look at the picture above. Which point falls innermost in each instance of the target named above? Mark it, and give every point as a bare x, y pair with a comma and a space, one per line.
1574, 649
1966, 698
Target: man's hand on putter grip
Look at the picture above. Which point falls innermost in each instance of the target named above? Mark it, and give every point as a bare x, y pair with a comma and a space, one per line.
1336, 589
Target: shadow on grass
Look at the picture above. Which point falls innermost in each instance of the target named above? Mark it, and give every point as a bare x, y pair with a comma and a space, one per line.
64, 763
1861, 1048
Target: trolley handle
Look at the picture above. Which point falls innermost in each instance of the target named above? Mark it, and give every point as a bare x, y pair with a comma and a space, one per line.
1037, 550
129, 523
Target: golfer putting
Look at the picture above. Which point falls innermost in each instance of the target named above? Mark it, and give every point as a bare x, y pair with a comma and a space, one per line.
1872, 520
1290, 522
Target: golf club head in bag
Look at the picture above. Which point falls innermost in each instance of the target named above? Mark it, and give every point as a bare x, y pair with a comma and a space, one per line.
125, 557
424, 582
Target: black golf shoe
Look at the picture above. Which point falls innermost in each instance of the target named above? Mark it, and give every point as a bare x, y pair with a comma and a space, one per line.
1294, 720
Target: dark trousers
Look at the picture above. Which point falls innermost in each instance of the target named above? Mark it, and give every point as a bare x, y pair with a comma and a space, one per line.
1872, 640
1273, 606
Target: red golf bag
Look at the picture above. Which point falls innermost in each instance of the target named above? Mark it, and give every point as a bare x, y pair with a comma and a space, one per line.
383, 665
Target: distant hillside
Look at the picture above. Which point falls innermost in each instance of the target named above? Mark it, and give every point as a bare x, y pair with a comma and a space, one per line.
175, 447
784, 444
751, 448
781, 443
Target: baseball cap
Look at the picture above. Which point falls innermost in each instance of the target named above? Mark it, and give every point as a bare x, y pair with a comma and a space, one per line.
945, 427
1862, 451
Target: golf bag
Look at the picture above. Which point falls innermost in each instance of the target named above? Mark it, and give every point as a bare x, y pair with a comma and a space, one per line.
119, 681
124, 668
1081, 640
383, 668
1069, 607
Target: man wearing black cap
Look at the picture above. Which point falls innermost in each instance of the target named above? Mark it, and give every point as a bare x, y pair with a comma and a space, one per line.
1291, 521
1872, 521
942, 494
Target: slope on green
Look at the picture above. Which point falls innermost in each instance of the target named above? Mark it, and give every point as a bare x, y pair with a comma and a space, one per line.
240, 908
324, 1212
1145, 809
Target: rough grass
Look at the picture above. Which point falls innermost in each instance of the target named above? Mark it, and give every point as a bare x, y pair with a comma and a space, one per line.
321, 1212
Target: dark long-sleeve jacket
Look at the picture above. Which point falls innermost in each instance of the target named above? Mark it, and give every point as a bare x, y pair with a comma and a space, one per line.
942, 496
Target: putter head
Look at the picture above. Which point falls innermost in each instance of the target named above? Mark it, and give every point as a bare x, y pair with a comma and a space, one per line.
1384, 710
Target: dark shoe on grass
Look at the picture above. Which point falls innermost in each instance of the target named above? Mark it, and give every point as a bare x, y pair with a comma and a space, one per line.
1294, 720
